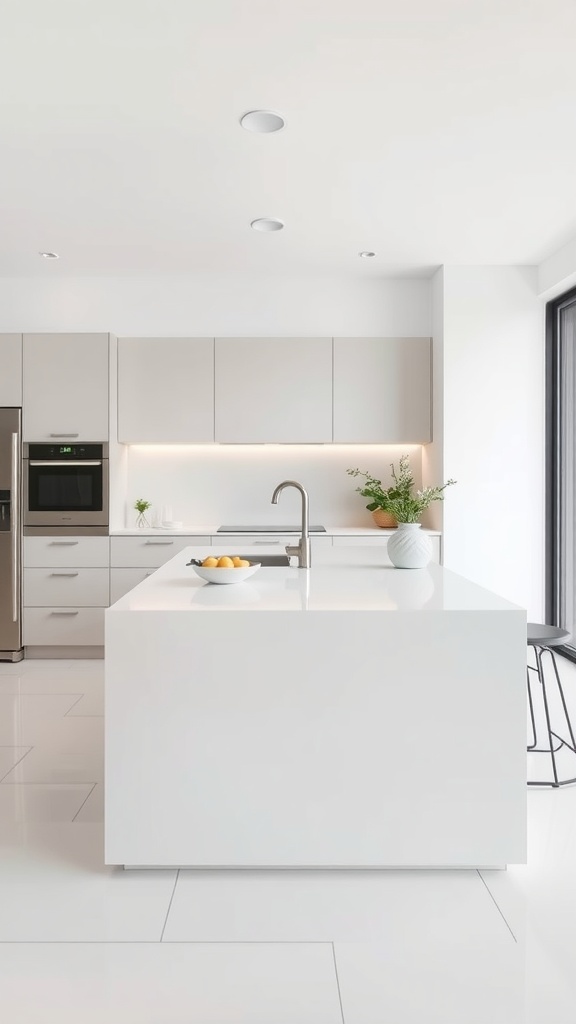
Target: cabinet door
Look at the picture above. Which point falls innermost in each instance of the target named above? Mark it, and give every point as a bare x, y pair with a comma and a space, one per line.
165, 390
273, 390
11, 369
65, 387
124, 580
382, 390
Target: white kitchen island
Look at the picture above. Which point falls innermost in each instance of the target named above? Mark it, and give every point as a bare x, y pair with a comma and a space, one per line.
349, 715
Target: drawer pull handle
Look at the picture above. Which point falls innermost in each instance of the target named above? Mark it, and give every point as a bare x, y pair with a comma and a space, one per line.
265, 542
163, 543
63, 543
64, 574
63, 435
64, 613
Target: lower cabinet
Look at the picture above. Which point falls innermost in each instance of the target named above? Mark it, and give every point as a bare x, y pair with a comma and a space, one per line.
66, 588
124, 580
133, 559
369, 540
246, 543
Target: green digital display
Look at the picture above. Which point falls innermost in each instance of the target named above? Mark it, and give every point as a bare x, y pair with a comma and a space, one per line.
65, 449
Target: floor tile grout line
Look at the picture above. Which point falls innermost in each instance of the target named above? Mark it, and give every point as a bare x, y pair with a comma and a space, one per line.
84, 801
487, 887
337, 982
170, 904
169, 942
72, 706
17, 763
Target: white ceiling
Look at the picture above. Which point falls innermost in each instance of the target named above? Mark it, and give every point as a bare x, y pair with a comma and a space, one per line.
432, 131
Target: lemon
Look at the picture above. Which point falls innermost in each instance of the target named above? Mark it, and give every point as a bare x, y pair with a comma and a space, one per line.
225, 562
210, 562
242, 563
237, 561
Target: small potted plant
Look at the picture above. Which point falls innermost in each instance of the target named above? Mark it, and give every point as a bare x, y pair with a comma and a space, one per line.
407, 549
380, 496
142, 506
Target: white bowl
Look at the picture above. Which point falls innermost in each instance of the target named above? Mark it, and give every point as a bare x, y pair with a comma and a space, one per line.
226, 575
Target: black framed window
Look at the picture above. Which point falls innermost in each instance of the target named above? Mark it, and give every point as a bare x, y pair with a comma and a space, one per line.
561, 466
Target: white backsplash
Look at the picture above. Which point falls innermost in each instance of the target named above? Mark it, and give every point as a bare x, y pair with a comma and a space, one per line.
209, 485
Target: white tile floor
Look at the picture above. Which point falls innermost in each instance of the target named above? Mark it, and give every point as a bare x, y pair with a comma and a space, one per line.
82, 942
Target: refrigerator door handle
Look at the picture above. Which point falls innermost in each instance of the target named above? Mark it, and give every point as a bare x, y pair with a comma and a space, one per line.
15, 509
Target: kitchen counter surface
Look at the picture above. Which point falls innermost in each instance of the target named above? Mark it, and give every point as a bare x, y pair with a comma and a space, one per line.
340, 579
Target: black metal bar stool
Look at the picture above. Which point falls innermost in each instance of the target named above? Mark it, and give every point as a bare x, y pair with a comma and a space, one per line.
542, 639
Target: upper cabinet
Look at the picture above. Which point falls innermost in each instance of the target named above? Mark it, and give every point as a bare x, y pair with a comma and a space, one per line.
11, 369
65, 387
382, 390
165, 390
273, 390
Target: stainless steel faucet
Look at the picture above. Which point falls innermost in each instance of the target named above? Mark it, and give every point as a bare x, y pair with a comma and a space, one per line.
302, 550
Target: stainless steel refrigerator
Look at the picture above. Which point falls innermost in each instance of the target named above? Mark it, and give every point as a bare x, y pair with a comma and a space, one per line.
10, 535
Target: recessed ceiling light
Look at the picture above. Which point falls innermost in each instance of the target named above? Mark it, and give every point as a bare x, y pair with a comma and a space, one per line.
267, 224
263, 121
366, 255
49, 255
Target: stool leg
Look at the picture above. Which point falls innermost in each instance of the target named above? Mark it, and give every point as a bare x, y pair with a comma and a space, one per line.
571, 746
531, 706
547, 713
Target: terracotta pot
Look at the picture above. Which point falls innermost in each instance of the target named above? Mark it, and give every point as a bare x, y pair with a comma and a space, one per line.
383, 519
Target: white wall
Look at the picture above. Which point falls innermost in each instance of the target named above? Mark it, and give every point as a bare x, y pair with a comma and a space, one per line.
433, 454
211, 485
493, 430
211, 306
557, 273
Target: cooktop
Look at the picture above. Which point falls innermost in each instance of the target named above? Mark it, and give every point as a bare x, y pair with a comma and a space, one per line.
268, 529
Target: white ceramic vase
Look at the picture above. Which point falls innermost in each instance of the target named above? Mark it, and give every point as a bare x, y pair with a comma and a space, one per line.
408, 547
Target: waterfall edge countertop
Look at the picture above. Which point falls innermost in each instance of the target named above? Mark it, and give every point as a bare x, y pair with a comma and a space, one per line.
349, 579
372, 718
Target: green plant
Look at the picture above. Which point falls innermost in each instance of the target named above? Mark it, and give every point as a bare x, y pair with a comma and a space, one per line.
399, 499
141, 505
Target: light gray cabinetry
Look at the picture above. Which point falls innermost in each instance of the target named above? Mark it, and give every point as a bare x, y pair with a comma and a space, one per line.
165, 390
65, 387
273, 390
133, 559
382, 390
10, 370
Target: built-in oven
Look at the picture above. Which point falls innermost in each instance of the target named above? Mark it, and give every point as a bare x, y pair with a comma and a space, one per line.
65, 485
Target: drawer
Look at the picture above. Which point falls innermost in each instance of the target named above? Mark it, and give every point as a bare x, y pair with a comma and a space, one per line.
124, 580
373, 541
66, 551
243, 541
67, 586
63, 626
149, 552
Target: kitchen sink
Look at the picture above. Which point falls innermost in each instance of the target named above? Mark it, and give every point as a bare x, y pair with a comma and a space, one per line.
267, 559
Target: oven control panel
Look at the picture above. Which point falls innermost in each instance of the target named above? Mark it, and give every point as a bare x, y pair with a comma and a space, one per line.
49, 452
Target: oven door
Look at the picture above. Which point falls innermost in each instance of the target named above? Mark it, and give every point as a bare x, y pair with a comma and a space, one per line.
63, 493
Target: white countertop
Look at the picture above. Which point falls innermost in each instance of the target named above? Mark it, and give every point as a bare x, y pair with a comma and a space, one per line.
340, 579
203, 531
